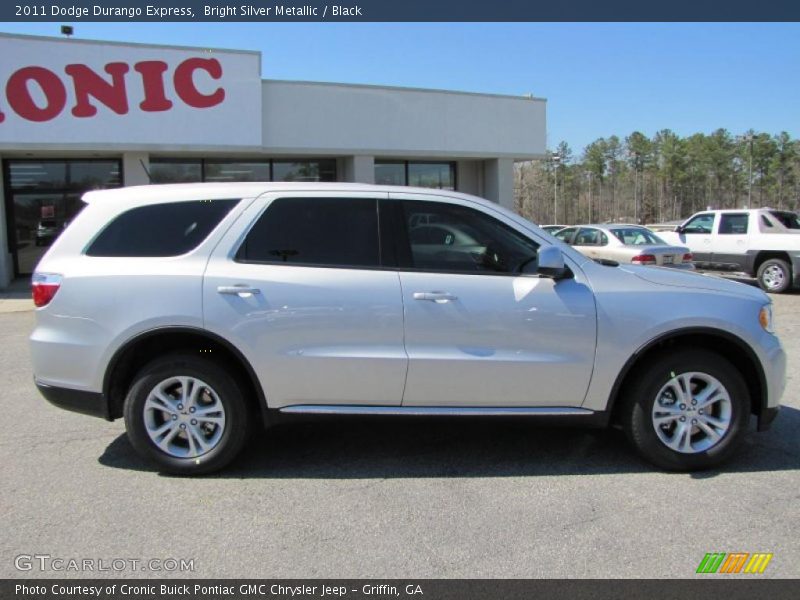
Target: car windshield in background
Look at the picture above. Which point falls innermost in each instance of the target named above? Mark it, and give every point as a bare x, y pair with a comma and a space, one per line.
787, 219
637, 236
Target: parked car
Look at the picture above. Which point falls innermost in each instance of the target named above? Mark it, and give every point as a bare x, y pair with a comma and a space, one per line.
552, 228
763, 243
626, 244
198, 311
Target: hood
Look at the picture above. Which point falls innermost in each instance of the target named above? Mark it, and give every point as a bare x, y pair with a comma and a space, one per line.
688, 279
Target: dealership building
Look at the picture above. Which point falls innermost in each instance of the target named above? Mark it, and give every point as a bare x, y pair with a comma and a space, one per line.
78, 115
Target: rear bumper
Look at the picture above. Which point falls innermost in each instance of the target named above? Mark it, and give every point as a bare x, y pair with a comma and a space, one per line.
80, 401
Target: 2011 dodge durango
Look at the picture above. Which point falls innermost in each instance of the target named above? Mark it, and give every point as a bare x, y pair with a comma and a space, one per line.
198, 311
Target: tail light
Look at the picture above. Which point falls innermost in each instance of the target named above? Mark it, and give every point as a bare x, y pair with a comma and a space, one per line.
644, 259
688, 257
44, 287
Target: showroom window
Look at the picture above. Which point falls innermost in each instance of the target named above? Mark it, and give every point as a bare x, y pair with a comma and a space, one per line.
176, 171
440, 175
43, 196
223, 170
179, 170
308, 170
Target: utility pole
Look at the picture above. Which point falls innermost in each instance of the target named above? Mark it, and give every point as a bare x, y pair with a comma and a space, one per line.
636, 160
749, 138
555, 159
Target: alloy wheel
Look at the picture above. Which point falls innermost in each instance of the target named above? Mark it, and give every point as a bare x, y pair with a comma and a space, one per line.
692, 412
184, 417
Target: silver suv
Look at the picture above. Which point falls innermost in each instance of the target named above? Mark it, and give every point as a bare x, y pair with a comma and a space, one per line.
198, 311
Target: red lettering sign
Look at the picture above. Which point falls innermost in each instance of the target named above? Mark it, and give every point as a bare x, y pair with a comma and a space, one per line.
152, 72
91, 88
184, 82
88, 83
20, 99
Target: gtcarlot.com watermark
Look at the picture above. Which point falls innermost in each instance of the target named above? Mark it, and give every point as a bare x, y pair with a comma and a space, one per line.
61, 564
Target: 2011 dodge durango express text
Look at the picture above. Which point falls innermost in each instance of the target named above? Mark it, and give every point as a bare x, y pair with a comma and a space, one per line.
198, 312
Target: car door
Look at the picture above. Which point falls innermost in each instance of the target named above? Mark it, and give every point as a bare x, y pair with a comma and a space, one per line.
696, 233
298, 285
478, 333
730, 243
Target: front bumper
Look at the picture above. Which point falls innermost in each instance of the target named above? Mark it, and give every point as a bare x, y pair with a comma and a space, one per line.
80, 401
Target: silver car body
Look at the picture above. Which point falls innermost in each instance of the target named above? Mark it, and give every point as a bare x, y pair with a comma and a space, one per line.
624, 243
383, 338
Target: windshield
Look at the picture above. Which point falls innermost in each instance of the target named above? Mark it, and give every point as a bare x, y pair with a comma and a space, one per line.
636, 236
787, 219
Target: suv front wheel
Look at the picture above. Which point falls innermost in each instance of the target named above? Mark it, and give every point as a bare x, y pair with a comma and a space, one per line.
186, 414
687, 411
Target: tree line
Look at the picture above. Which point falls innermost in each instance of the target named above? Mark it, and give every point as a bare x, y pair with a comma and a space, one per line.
638, 179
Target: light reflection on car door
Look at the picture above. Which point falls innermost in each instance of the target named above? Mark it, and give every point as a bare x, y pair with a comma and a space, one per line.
315, 333
475, 337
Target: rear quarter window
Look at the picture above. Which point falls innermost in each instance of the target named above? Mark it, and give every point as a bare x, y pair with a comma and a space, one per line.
160, 230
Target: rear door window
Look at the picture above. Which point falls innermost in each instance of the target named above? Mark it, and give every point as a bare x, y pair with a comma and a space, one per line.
733, 224
588, 237
323, 232
160, 230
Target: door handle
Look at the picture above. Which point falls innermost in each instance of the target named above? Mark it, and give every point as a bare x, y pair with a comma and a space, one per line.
438, 297
243, 291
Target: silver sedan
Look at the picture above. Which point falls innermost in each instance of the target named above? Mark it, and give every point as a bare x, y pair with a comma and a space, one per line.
626, 244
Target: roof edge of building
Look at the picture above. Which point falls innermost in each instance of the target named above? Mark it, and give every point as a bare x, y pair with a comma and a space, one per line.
405, 89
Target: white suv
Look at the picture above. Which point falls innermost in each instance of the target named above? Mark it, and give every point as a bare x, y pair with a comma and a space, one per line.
197, 311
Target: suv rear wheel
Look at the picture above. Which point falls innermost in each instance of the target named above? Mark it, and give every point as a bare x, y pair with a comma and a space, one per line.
774, 275
186, 414
687, 411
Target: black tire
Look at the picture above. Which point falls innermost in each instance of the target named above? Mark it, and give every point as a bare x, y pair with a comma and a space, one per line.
766, 277
237, 421
641, 395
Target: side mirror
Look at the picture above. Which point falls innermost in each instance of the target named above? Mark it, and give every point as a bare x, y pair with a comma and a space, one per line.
680, 229
551, 263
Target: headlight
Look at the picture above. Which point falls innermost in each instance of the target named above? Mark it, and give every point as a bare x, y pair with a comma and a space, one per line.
765, 318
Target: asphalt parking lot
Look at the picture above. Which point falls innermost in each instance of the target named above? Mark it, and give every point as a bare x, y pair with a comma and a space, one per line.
354, 498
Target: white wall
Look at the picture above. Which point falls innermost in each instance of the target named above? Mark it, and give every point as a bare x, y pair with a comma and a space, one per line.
499, 181
133, 168
469, 177
394, 122
359, 169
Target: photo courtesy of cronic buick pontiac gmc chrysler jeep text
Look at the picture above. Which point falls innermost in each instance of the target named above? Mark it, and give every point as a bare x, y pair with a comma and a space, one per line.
197, 311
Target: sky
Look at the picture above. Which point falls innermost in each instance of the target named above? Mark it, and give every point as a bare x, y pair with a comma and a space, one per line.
600, 79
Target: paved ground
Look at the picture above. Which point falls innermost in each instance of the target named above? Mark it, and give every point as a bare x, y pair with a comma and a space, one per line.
392, 499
